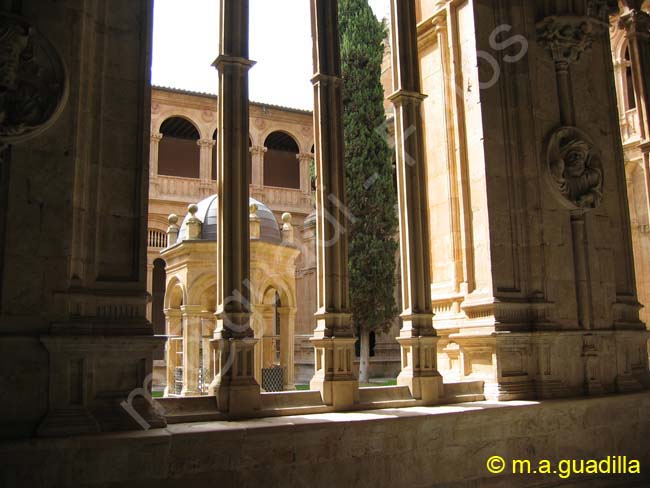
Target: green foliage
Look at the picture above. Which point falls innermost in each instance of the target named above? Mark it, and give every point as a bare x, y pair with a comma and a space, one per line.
370, 189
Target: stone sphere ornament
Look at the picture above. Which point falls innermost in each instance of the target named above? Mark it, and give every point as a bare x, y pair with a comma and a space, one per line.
33, 81
575, 171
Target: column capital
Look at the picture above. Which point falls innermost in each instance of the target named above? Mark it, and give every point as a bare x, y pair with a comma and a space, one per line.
187, 310
206, 142
304, 157
156, 137
324, 79
567, 37
233, 62
403, 97
257, 150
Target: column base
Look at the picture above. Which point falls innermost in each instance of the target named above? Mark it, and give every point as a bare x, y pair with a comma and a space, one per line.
334, 377
67, 422
234, 385
419, 368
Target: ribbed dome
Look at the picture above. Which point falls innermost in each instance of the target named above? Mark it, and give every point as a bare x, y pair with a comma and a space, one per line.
310, 219
207, 214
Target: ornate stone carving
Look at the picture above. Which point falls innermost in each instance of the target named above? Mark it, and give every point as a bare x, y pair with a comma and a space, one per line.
566, 38
575, 168
33, 82
601, 9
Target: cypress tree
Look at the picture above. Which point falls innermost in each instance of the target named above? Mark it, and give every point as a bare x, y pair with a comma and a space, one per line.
370, 191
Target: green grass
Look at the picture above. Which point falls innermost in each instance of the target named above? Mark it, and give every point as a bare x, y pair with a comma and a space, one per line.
157, 394
373, 383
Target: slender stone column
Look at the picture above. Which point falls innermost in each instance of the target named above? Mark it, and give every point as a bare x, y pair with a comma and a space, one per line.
417, 337
153, 154
205, 165
153, 162
191, 315
257, 177
173, 329
305, 159
287, 334
234, 383
333, 337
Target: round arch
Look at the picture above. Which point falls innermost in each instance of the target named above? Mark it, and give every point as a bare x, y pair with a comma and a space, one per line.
178, 151
175, 294
281, 165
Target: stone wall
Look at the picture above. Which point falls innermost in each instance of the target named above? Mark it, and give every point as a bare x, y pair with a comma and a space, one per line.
432, 447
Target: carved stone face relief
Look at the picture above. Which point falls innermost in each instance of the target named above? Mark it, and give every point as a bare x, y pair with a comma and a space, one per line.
33, 85
575, 169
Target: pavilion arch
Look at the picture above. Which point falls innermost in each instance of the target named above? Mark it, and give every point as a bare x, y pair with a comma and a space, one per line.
178, 152
175, 294
199, 287
629, 95
281, 165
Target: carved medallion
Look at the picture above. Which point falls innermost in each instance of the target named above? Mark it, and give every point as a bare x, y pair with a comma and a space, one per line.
207, 116
575, 170
33, 82
260, 123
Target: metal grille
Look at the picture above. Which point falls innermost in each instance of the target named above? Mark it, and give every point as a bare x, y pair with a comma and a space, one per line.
273, 378
178, 380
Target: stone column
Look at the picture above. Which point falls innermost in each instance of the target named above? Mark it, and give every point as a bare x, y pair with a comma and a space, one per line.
305, 180
207, 186
417, 338
257, 164
191, 315
333, 337
287, 333
173, 325
153, 162
234, 383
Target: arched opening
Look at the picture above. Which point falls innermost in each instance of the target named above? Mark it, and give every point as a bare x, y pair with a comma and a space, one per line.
179, 153
158, 297
281, 166
630, 98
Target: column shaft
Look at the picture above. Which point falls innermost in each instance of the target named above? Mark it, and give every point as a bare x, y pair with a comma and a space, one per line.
234, 384
333, 337
417, 337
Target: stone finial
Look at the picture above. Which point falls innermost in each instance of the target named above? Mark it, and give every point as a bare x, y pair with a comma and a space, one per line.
172, 230
287, 228
193, 223
255, 225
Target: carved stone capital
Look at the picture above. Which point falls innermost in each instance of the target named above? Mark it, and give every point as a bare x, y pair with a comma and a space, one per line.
206, 142
156, 137
304, 157
567, 37
257, 150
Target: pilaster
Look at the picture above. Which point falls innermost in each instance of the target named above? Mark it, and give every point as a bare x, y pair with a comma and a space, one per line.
257, 165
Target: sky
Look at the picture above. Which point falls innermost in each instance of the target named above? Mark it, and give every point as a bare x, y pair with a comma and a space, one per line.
186, 42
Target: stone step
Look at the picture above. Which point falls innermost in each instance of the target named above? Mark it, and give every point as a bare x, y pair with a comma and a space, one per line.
189, 409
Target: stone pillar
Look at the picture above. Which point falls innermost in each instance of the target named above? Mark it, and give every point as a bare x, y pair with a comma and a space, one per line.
174, 344
257, 165
550, 305
305, 179
207, 186
234, 383
417, 336
333, 337
172, 230
287, 334
153, 162
191, 315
